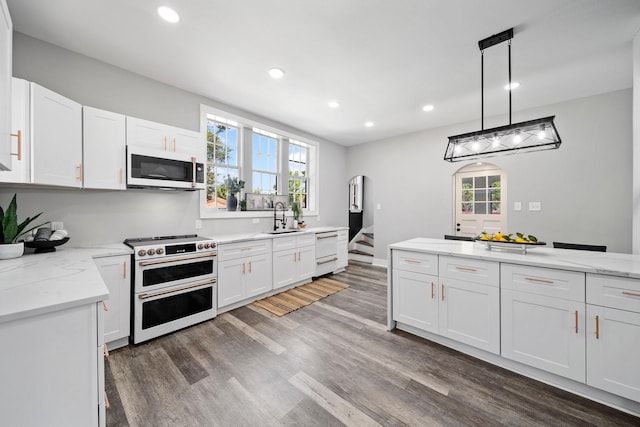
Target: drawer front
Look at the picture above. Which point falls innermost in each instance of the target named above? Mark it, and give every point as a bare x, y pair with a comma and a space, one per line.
415, 261
229, 251
614, 292
569, 285
470, 270
283, 243
307, 239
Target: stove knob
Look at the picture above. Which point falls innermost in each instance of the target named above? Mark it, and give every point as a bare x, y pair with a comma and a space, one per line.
142, 252
207, 246
213, 245
160, 251
200, 246
151, 251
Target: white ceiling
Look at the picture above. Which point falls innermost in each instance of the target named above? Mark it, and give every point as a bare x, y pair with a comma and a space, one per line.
382, 59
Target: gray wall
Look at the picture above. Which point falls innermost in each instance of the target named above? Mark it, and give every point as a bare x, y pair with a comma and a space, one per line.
94, 217
585, 187
636, 145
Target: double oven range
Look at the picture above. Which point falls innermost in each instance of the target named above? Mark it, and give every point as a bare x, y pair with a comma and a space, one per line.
173, 284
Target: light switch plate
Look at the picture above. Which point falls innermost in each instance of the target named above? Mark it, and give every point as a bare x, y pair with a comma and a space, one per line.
517, 206
535, 206
198, 224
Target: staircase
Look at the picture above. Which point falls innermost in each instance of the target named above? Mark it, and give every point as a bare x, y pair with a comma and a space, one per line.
361, 247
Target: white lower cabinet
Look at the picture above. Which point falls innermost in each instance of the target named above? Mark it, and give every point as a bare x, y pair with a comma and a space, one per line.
117, 318
544, 332
244, 271
55, 368
470, 313
294, 259
613, 334
415, 299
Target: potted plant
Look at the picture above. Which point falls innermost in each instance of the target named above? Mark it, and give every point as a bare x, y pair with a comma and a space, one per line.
11, 230
233, 185
297, 215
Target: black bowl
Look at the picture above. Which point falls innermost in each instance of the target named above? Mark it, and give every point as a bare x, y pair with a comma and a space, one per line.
45, 246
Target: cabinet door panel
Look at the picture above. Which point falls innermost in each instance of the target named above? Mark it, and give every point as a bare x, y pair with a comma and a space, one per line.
104, 141
306, 265
115, 274
541, 331
144, 133
6, 46
20, 170
612, 356
186, 141
284, 268
231, 282
415, 299
56, 132
470, 313
258, 273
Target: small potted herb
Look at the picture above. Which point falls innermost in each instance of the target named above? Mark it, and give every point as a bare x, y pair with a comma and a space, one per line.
296, 208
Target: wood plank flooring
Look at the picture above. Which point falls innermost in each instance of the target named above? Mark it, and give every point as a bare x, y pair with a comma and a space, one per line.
331, 363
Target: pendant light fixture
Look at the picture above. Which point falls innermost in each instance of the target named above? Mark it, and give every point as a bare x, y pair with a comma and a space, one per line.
533, 135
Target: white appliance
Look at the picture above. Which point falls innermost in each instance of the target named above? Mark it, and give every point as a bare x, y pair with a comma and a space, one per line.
326, 252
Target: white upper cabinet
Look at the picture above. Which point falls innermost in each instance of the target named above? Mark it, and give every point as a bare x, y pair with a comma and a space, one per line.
56, 132
144, 133
104, 149
21, 142
6, 40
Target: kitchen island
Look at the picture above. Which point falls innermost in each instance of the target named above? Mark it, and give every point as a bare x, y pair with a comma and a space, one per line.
568, 318
51, 315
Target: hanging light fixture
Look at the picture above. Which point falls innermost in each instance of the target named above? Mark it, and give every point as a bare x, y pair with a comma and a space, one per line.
532, 135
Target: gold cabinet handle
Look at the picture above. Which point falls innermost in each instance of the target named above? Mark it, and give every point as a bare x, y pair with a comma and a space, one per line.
244, 270
124, 270
433, 290
442, 291
120, 176
535, 279
164, 143
250, 266
597, 327
79, 169
106, 350
19, 136
174, 144
576, 321
106, 401
193, 167
633, 294
466, 269
104, 306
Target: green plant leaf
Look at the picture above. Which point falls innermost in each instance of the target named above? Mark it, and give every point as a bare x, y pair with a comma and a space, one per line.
10, 222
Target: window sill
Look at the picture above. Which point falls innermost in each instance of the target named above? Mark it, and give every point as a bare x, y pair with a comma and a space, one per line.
222, 214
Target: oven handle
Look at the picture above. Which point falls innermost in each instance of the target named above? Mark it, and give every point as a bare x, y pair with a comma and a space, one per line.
170, 291
165, 261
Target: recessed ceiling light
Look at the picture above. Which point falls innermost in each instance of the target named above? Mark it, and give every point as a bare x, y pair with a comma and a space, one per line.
168, 14
334, 104
368, 124
428, 108
513, 85
276, 73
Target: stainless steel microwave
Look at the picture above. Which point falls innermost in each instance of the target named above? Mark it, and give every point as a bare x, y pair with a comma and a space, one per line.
149, 168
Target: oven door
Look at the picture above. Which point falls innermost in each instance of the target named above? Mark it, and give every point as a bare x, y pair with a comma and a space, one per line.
152, 168
165, 311
154, 274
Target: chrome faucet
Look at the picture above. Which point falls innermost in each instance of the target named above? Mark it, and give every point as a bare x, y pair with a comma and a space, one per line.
282, 220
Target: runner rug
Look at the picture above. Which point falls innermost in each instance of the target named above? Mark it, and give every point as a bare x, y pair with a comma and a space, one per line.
295, 298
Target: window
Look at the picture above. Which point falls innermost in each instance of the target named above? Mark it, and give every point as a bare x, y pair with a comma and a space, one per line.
264, 152
222, 159
298, 176
270, 161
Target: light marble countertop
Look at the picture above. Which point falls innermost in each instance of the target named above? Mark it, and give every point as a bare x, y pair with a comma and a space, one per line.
616, 264
244, 237
35, 284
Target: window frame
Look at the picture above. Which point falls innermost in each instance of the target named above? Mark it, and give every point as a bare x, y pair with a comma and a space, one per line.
245, 127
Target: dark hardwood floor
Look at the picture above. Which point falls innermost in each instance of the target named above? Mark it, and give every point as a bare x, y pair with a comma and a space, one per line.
328, 364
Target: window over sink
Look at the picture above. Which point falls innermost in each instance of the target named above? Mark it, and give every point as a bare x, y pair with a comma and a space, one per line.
269, 160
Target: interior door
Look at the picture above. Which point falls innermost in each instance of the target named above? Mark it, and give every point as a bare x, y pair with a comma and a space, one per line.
480, 202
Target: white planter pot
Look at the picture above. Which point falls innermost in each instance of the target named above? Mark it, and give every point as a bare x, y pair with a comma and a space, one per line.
14, 250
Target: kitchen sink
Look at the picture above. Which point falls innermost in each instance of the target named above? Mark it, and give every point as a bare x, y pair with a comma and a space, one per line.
288, 230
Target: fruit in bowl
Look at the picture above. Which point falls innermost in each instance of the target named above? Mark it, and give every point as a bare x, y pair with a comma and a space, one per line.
501, 237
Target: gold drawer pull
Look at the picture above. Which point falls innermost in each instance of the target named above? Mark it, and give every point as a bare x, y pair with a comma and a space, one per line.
633, 294
576, 321
466, 269
534, 279
597, 327
19, 136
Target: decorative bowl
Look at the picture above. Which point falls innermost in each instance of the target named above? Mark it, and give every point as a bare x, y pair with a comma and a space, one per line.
45, 246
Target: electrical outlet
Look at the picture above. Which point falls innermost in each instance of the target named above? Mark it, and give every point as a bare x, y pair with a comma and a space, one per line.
256, 220
517, 206
535, 206
57, 225
198, 224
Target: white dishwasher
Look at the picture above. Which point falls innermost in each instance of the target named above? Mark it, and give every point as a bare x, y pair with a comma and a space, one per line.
326, 252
